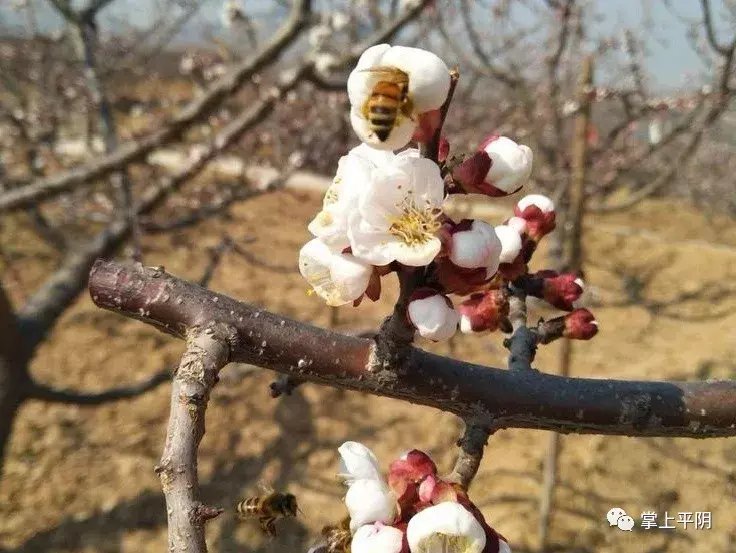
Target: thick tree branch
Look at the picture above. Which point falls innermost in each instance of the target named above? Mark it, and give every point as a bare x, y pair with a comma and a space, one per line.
207, 352
489, 396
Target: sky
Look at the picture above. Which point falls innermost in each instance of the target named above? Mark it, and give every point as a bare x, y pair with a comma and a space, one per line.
670, 59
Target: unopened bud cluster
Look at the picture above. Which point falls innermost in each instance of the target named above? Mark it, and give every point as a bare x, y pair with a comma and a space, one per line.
414, 510
384, 211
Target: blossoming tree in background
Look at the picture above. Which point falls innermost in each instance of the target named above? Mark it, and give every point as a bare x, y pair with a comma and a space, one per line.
385, 213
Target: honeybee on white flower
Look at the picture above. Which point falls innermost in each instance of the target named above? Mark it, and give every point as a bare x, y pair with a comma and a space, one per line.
389, 88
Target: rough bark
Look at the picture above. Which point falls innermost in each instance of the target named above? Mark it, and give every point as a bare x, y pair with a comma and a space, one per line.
207, 352
489, 396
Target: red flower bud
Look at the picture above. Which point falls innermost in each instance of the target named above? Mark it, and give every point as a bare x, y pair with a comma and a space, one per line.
456, 280
539, 213
405, 475
427, 125
483, 312
561, 290
512, 271
413, 466
444, 150
470, 175
580, 325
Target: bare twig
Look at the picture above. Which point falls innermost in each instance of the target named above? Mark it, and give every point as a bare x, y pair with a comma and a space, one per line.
207, 352
522, 344
54, 395
489, 396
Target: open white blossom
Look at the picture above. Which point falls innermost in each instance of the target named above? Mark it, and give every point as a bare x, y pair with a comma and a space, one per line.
512, 163
445, 528
354, 173
428, 82
398, 213
338, 278
475, 247
545, 204
433, 317
510, 243
375, 538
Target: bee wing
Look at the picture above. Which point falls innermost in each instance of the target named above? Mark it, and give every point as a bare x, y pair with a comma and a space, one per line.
265, 488
384, 70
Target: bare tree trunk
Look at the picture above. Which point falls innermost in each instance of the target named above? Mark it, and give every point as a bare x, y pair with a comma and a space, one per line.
13, 375
573, 262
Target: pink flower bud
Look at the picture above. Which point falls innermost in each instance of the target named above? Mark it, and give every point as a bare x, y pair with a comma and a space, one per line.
483, 312
580, 325
539, 213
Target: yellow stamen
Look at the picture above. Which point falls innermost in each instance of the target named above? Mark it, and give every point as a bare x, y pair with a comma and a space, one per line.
415, 226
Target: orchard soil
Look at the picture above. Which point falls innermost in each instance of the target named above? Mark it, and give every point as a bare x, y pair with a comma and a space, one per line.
80, 479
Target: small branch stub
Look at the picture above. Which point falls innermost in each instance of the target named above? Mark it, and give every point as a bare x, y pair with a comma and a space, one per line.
471, 444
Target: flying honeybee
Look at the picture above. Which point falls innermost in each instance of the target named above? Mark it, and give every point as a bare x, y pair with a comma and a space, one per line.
388, 102
267, 508
338, 536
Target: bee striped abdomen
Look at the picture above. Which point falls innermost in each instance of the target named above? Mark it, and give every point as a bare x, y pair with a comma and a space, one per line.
383, 107
250, 507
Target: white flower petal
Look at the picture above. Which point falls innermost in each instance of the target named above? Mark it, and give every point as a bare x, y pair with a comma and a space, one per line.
503, 547
337, 278
374, 538
378, 158
397, 215
417, 255
350, 275
518, 224
429, 77
512, 164
358, 87
399, 136
368, 501
433, 318
357, 462
477, 247
445, 527
545, 204
510, 243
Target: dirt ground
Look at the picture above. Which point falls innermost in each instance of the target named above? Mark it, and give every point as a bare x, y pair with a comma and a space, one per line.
661, 282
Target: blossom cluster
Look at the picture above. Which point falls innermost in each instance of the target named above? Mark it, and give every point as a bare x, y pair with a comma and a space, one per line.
384, 211
413, 511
